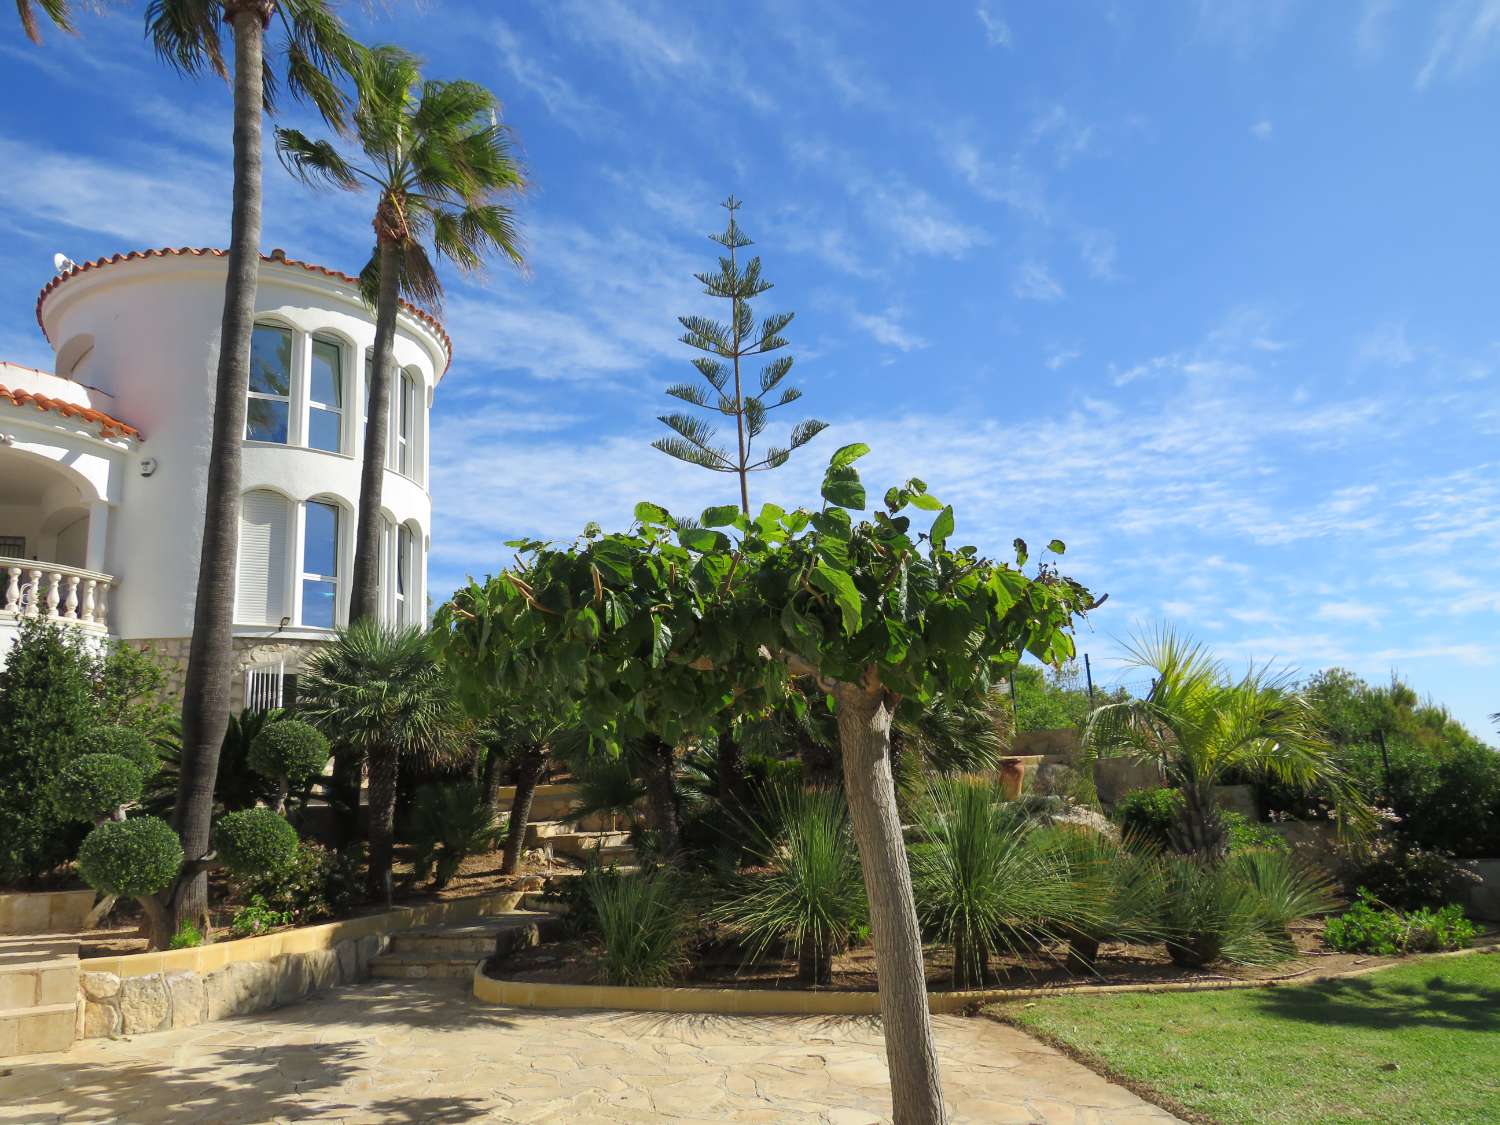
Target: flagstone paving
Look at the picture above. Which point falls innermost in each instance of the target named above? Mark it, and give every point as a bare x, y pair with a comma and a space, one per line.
407, 1052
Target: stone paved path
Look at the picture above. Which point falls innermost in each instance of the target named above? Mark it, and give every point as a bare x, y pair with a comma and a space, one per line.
408, 1052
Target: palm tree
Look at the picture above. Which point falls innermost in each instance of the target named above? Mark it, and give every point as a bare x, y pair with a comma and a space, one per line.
314, 50
381, 690
439, 162
1197, 724
55, 10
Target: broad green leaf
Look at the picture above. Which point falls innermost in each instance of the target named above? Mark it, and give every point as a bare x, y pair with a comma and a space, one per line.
925, 502
895, 499
1057, 546
649, 513
849, 454
721, 515
661, 641
1021, 553
834, 522
842, 487
942, 527
841, 588
702, 539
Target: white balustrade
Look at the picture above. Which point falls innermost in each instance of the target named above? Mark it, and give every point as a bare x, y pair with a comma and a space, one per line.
58, 593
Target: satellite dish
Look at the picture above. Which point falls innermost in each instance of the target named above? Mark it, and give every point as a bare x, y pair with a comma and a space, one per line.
62, 263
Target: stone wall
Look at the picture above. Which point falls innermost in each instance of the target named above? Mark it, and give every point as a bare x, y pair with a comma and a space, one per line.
44, 912
248, 651
113, 1005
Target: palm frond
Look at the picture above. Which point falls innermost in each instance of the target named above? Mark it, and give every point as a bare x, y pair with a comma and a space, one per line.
55, 10
313, 162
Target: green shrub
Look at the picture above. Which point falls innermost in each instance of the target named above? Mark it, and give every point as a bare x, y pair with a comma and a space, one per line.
317, 883
95, 785
1408, 876
257, 918
186, 937
1239, 911
254, 841
1251, 835
1369, 927
237, 786
135, 857
643, 927
1149, 814
127, 743
811, 895
289, 752
1120, 890
448, 824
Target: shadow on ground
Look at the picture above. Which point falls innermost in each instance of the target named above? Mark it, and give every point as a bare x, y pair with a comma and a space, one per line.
1370, 1002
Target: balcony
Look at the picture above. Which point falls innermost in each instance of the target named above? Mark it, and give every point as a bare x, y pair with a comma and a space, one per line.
68, 595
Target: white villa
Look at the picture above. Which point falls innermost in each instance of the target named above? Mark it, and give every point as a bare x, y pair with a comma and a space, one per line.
103, 460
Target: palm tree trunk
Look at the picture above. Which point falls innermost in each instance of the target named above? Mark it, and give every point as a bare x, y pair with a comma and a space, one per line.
489, 779
205, 702
385, 767
364, 584
815, 961
1201, 831
528, 773
661, 795
864, 719
731, 767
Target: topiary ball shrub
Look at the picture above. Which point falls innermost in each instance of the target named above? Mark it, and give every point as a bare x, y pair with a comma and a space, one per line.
127, 743
254, 842
94, 785
135, 857
289, 749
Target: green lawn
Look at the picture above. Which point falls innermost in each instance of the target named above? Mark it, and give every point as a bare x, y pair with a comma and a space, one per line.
1417, 1043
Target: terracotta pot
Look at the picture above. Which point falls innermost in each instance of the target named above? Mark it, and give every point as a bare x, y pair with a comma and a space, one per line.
1012, 774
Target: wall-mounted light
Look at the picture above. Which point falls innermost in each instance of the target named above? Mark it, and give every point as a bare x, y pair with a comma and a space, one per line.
148, 466
7, 439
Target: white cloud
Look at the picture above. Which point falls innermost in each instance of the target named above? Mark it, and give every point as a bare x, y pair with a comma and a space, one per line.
534, 72
1350, 613
1056, 127
1467, 35
1370, 33
996, 30
1059, 359
1262, 129
1033, 282
1385, 346
1097, 248
886, 329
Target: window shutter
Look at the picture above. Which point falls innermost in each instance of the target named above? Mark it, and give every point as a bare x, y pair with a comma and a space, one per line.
264, 517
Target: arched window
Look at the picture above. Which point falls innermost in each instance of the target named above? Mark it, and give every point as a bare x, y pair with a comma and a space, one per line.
403, 422
406, 591
320, 565
260, 594
270, 407
325, 397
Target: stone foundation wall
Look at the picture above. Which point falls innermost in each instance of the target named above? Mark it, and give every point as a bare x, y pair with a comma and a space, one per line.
111, 1005
248, 651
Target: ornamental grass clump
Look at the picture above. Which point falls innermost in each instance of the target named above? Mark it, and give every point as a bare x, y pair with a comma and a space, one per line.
1239, 911
812, 895
1120, 889
643, 928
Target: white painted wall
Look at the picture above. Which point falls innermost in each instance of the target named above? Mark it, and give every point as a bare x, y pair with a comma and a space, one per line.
148, 330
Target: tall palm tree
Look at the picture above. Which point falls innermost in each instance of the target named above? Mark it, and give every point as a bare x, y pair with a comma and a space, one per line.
381, 690
55, 10
440, 162
1198, 724
313, 52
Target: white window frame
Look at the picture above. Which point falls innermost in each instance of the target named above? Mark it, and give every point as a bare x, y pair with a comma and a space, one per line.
312, 404
304, 576
292, 380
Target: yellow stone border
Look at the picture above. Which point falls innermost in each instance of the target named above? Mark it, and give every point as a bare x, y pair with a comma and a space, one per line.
776, 1002
304, 939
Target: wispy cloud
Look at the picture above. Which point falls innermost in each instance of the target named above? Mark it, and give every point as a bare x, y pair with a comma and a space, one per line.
1032, 281
533, 71
1371, 32
1467, 35
1385, 346
1350, 613
1262, 130
996, 30
1060, 358
886, 329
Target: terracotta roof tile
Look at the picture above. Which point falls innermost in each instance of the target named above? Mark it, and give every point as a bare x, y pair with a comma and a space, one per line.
108, 427
206, 251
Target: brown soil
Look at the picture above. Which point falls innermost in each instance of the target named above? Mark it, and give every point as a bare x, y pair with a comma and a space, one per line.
576, 962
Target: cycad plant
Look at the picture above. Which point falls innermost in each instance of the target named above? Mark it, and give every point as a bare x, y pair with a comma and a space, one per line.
727, 347
981, 884
1120, 889
449, 823
1198, 724
378, 689
442, 167
643, 926
811, 895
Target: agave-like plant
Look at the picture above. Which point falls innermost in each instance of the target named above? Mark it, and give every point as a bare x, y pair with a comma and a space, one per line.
1120, 888
981, 883
1238, 911
643, 927
813, 895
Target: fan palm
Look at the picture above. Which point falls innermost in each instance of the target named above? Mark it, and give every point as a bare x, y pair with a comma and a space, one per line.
440, 164
314, 53
1197, 724
379, 688
55, 10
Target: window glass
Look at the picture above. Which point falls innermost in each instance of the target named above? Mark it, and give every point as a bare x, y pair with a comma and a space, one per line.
405, 402
268, 410
320, 555
403, 575
325, 416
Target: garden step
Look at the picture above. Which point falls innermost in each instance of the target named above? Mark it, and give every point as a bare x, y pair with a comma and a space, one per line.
582, 844
412, 966
38, 1029
474, 940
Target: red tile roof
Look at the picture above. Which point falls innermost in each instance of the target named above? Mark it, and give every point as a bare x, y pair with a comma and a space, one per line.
205, 251
108, 427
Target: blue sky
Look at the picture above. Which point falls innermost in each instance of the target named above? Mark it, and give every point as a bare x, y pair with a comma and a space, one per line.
1204, 289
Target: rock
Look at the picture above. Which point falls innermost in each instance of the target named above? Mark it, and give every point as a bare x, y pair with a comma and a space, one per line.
100, 1021
322, 969
291, 977
245, 986
189, 998
144, 1004
348, 961
532, 883
366, 950
1080, 817
99, 986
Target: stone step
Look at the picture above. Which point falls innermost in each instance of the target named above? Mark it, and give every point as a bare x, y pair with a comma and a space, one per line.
414, 966
38, 1029
582, 844
535, 901
475, 940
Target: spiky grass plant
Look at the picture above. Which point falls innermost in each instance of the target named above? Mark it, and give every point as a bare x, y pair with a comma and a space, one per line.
1238, 912
981, 883
643, 927
1287, 890
813, 895
1120, 889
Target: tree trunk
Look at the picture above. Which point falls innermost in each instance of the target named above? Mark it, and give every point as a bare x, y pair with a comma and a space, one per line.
661, 795
1200, 831
528, 773
864, 719
157, 924
489, 779
815, 962
971, 963
731, 767
364, 584
205, 697
385, 766
344, 787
